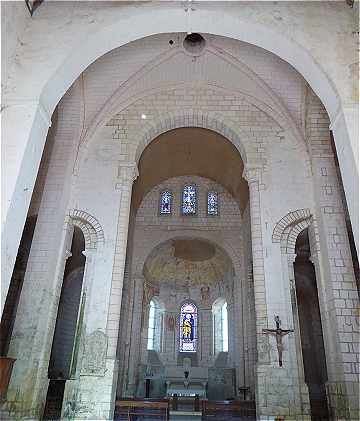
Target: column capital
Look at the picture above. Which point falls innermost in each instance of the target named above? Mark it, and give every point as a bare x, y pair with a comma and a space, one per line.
251, 173
127, 173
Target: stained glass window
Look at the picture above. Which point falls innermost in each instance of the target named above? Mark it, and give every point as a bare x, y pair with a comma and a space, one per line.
188, 328
189, 200
165, 203
212, 203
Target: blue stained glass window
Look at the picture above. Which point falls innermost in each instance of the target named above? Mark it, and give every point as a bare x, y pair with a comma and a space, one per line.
189, 200
165, 203
188, 328
212, 203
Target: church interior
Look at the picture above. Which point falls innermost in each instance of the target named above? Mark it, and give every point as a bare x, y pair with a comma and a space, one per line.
180, 232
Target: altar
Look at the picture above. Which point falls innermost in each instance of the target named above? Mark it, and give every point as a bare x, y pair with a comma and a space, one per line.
186, 381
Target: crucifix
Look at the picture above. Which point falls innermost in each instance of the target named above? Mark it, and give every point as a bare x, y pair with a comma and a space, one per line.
278, 333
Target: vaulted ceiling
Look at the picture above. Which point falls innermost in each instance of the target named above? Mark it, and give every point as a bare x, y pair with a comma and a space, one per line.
191, 151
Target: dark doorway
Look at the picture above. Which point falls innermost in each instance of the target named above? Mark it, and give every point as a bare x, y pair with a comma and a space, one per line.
312, 341
67, 329
16, 283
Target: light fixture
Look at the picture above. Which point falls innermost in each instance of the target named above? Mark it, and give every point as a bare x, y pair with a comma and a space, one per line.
143, 116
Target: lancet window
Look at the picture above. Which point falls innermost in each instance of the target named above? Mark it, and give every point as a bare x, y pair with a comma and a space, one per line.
165, 203
212, 203
189, 200
188, 328
155, 325
220, 326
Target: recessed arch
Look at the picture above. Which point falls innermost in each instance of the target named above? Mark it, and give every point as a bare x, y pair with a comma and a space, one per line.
286, 231
180, 151
90, 227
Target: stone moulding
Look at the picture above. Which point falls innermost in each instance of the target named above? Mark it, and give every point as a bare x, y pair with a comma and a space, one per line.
89, 225
289, 227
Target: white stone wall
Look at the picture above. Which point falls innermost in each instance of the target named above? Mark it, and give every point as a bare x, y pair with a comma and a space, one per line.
45, 63
92, 169
151, 230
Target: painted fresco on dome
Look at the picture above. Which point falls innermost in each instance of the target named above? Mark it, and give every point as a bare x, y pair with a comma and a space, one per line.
166, 265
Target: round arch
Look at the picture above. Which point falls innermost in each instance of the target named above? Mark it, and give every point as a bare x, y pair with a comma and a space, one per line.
170, 20
215, 121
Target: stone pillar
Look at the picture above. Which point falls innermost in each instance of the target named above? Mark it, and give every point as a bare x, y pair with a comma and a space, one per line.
345, 127
25, 126
127, 174
32, 337
92, 394
252, 176
279, 390
338, 295
289, 260
37, 309
136, 313
239, 330
330, 250
205, 334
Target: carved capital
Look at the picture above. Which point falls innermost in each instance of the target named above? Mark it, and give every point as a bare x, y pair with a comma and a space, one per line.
251, 173
128, 173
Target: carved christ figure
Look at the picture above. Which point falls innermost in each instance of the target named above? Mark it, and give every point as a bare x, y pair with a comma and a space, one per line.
278, 333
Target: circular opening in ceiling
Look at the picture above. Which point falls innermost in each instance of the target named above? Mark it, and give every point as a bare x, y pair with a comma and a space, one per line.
194, 43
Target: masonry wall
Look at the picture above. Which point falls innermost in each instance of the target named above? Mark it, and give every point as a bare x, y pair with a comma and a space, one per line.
150, 231
95, 144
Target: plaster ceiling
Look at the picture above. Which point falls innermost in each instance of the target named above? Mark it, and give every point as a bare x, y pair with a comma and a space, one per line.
191, 151
185, 262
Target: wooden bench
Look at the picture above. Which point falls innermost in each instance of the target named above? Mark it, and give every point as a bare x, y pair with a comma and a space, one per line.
133, 409
225, 410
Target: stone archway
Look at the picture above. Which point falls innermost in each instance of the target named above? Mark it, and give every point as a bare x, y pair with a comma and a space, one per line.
66, 66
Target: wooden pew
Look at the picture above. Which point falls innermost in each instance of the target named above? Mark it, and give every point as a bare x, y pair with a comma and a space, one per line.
229, 409
132, 409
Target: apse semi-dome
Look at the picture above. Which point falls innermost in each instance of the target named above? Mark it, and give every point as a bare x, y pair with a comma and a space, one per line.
188, 261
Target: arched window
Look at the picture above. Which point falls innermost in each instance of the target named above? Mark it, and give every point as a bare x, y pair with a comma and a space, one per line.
188, 328
165, 203
220, 326
151, 326
155, 325
212, 203
189, 200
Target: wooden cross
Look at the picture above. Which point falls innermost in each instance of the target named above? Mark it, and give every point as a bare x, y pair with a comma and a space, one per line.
278, 333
